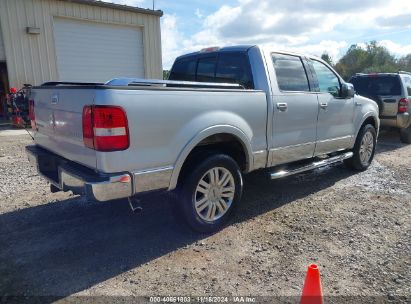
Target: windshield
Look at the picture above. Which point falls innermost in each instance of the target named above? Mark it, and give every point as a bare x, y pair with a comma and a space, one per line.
377, 85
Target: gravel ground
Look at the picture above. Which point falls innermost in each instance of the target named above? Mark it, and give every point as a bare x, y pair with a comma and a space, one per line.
355, 226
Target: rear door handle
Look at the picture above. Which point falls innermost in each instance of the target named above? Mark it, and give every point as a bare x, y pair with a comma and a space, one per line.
324, 105
358, 104
282, 106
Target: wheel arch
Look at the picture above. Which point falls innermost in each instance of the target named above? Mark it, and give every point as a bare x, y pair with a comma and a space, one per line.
221, 131
371, 119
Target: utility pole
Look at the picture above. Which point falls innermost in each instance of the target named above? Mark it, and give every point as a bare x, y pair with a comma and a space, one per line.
154, 1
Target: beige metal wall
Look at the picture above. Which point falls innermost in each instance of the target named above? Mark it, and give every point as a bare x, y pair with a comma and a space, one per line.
32, 58
2, 51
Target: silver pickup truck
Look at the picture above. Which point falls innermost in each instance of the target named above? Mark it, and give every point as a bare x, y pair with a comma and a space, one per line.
224, 113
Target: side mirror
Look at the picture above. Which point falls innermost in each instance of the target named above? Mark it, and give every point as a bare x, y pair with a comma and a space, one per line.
347, 90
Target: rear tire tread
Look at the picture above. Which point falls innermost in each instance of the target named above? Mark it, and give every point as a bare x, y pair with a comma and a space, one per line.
405, 135
183, 195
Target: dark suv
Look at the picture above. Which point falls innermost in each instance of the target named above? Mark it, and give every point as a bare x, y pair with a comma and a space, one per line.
392, 93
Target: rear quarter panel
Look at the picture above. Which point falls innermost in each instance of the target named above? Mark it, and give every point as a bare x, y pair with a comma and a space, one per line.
163, 122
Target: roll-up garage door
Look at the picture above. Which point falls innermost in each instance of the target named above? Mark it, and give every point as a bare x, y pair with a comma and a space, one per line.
96, 52
2, 51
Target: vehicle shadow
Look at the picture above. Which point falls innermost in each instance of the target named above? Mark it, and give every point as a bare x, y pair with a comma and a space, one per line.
58, 249
389, 140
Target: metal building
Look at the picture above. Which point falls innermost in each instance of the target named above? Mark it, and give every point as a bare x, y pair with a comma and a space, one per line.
76, 40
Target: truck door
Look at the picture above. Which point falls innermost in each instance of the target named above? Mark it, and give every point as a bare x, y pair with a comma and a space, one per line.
295, 111
335, 129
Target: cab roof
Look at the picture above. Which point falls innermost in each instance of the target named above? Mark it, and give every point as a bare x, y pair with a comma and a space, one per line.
239, 48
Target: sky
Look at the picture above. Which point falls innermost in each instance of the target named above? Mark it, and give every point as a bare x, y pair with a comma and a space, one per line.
305, 26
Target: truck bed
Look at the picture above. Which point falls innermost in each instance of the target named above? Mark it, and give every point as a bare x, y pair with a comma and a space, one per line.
162, 115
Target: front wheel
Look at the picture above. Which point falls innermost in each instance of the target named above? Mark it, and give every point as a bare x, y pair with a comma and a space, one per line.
364, 149
209, 194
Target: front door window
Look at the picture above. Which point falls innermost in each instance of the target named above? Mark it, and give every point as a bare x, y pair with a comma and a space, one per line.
327, 80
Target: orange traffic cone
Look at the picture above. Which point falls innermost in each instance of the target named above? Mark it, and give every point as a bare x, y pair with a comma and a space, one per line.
312, 291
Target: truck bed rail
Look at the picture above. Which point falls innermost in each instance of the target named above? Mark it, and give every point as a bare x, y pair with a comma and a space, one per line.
152, 83
170, 83
65, 83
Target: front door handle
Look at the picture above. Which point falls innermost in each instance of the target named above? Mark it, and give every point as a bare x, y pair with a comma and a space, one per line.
324, 105
282, 106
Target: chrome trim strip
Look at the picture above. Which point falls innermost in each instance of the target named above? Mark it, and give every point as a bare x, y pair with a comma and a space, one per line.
292, 146
314, 165
333, 144
153, 179
163, 83
260, 159
335, 139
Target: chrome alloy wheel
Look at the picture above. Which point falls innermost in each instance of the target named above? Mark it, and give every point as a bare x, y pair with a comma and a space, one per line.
367, 147
214, 194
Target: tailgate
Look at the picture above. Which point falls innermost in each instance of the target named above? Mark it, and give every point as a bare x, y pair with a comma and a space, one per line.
390, 105
58, 113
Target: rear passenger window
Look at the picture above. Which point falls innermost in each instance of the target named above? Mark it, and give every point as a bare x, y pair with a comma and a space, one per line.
184, 70
234, 68
291, 75
206, 69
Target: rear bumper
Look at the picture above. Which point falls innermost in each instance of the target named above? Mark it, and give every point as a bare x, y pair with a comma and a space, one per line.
69, 176
398, 121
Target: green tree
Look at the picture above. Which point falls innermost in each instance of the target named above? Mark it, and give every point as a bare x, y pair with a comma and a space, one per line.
380, 59
327, 58
374, 58
404, 63
354, 61
166, 74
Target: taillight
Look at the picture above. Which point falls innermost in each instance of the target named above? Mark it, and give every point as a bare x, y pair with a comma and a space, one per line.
32, 116
105, 128
403, 105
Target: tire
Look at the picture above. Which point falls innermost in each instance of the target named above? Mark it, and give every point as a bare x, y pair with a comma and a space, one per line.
405, 135
197, 188
364, 149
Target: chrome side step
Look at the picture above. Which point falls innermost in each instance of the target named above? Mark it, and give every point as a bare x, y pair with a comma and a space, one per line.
312, 166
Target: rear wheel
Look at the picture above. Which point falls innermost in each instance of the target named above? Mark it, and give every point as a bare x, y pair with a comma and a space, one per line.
209, 194
364, 149
405, 135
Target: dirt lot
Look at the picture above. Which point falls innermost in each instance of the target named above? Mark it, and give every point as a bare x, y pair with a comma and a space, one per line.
356, 227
